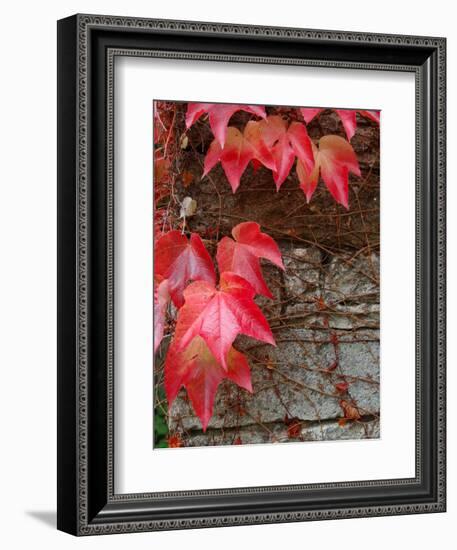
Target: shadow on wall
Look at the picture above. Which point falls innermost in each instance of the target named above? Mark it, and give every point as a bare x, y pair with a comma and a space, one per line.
48, 517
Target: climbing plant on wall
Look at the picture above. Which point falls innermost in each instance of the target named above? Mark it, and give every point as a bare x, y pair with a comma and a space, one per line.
203, 301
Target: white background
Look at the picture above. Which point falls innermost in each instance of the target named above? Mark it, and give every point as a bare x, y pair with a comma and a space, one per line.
28, 281
136, 467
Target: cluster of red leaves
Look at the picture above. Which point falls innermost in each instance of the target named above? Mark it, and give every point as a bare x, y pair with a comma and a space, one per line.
210, 317
273, 143
201, 353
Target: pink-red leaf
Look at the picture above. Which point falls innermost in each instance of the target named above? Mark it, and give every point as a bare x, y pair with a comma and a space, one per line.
241, 256
219, 116
286, 143
238, 151
218, 316
161, 300
347, 116
309, 114
335, 158
180, 261
197, 370
349, 120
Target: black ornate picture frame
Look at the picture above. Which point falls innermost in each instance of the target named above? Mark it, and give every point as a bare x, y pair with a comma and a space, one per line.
87, 47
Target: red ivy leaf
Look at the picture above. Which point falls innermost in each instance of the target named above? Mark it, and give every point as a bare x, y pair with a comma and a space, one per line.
334, 159
181, 261
187, 178
309, 114
238, 151
286, 143
342, 387
197, 370
241, 256
349, 120
219, 116
347, 116
218, 316
161, 299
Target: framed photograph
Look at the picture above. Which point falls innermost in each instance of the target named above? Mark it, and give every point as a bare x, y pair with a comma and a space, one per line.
251, 274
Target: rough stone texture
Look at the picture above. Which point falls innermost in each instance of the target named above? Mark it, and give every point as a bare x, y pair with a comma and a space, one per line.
279, 433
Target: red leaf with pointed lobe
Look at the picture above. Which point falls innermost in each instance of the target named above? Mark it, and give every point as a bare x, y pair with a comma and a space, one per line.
349, 120
309, 114
239, 150
286, 143
241, 256
347, 116
219, 116
180, 261
197, 370
218, 316
334, 159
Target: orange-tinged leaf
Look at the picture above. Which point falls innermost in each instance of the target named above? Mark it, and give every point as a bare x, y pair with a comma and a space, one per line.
350, 411
162, 166
181, 260
286, 143
187, 178
218, 316
334, 158
219, 116
308, 179
241, 256
260, 151
238, 151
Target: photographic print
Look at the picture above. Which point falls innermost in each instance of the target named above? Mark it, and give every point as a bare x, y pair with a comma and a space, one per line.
266, 274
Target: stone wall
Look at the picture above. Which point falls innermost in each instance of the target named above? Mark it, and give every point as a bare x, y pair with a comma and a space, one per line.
323, 340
